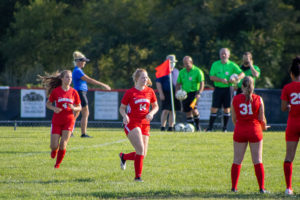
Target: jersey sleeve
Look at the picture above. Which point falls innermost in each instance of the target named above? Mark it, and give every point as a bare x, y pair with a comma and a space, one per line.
212, 70
78, 74
52, 96
126, 97
202, 78
284, 94
76, 98
236, 68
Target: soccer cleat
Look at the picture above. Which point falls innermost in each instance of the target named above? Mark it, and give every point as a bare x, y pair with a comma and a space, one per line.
233, 190
56, 166
138, 179
289, 191
123, 162
162, 128
263, 191
170, 129
85, 136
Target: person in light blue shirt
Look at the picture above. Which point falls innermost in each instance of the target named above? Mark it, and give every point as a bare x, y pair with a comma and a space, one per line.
80, 80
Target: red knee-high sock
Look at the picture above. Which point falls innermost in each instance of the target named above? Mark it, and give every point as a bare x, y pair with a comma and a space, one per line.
138, 165
260, 175
53, 153
60, 157
235, 174
129, 156
288, 169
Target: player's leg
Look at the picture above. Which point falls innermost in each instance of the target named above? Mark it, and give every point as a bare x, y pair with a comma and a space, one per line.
65, 136
54, 139
196, 117
256, 153
163, 119
84, 120
171, 120
216, 104
239, 149
291, 147
227, 97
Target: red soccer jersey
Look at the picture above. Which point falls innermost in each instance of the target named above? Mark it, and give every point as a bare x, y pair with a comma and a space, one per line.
247, 112
61, 99
291, 94
139, 103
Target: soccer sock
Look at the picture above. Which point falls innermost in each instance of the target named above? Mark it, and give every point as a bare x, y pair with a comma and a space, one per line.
260, 175
138, 165
235, 174
190, 120
53, 153
288, 169
129, 156
212, 119
60, 157
225, 119
196, 121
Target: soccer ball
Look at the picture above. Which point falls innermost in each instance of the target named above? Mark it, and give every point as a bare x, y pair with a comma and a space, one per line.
234, 78
179, 127
189, 128
181, 95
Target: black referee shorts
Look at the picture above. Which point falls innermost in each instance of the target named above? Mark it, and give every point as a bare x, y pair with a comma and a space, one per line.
222, 97
187, 102
83, 98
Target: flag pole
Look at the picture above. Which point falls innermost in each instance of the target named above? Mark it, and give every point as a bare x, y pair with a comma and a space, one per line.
172, 98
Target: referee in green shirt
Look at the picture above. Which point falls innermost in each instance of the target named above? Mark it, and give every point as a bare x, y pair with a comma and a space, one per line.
249, 70
220, 74
191, 80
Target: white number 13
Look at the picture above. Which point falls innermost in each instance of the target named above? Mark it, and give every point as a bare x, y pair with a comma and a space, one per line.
246, 109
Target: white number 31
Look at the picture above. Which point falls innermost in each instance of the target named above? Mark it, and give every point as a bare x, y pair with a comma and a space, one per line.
246, 109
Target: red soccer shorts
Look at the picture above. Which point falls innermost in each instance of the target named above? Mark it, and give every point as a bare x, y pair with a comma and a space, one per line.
57, 128
248, 134
145, 128
292, 132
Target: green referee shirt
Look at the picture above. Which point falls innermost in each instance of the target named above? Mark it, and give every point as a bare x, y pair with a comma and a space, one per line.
247, 72
224, 71
191, 80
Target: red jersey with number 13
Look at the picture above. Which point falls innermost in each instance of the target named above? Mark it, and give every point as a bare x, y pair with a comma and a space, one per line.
139, 103
61, 99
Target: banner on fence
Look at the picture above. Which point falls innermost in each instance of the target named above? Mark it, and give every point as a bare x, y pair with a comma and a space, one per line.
204, 104
106, 105
33, 103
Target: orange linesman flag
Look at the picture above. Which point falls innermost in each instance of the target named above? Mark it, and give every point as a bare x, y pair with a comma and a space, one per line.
163, 69
193, 104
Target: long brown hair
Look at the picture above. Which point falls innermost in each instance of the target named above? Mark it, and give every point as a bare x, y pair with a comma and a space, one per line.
51, 81
137, 74
248, 87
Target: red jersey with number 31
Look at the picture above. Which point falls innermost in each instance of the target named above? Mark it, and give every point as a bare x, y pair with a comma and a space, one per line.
291, 94
247, 112
138, 103
61, 99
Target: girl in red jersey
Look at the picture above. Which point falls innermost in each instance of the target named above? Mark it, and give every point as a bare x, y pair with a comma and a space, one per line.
137, 119
290, 97
66, 101
249, 120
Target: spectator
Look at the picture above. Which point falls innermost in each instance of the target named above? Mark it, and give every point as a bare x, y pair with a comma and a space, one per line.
191, 80
164, 90
220, 74
137, 120
249, 70
80, 81
248, 116
290, 97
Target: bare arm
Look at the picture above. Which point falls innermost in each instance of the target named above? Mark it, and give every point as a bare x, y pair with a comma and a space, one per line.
154, 110
253, 71
233, 115
285, 106
178, 86
51, 107
124, 114
241, 76
160, 91
75, 108
262, 117
95, 82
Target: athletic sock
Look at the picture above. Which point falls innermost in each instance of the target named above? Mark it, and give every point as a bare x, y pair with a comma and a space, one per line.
129, 156
225, 120
235, 174
53, 153
288, 170
60, 157
196, 122
212, 119
138, 165
260, 175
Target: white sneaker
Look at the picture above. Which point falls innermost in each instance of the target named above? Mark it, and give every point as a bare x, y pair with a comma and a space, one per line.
289, 191
122, 161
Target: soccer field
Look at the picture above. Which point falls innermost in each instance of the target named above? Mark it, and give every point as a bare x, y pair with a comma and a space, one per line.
178, 166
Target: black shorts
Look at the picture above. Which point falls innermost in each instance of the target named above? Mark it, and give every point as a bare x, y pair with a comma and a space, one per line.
83, 98
222, 97
167, 104
187, 102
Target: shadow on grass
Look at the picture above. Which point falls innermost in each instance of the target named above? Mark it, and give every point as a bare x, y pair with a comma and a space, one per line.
167, 194
79, 180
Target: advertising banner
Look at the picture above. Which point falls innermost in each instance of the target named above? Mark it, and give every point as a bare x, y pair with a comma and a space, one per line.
106, 105
33, 103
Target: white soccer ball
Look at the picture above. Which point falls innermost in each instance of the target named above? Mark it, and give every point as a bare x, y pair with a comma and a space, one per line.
234, 78
181, 95
179, 127
189, 128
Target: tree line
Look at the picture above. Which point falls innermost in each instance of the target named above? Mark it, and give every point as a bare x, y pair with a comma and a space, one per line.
39, 36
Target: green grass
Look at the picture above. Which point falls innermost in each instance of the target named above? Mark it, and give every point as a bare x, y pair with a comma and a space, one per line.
178, 166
